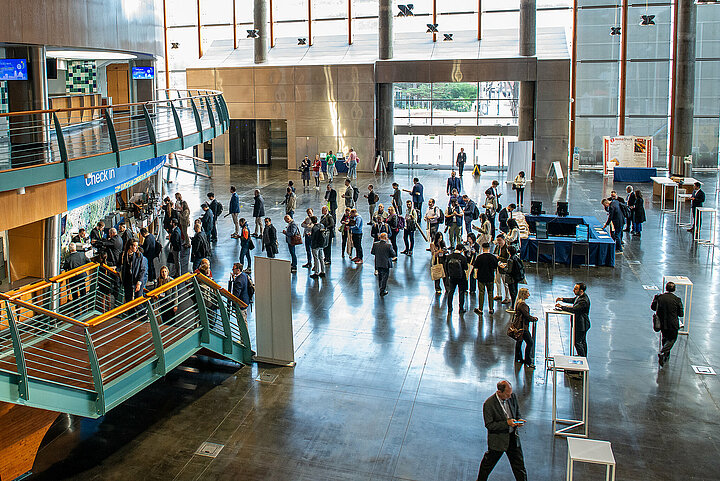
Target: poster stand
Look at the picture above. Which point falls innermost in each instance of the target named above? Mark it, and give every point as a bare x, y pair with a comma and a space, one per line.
273, 312
555, 172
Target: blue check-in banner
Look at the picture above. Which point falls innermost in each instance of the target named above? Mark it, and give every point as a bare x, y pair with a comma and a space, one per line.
83, 189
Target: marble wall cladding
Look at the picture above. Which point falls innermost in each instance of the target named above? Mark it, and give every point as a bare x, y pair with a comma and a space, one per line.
327, 107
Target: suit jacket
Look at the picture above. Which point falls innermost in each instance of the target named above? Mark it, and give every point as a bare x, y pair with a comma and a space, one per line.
503, 217
149, 247
75, 260
581, 308
259, 207
630, 199
669, 308
496, 422
453, 183
615, 215
113, 247
697, 199
208, 219
384, 254
461, 158
134, 270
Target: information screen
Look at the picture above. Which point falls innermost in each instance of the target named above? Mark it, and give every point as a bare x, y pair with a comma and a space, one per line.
13, 69
143, 73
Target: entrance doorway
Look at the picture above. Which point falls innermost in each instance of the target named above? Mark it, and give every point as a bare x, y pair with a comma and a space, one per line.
440, 151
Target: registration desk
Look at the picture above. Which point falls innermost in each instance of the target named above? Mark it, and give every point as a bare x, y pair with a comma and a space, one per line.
561, 231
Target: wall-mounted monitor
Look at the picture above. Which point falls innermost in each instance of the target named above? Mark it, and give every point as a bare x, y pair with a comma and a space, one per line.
143, 73
13, 69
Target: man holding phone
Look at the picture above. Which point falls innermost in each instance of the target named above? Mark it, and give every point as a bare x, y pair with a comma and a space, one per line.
502, 419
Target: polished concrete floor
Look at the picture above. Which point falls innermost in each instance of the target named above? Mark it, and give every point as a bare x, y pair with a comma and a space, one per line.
392, 388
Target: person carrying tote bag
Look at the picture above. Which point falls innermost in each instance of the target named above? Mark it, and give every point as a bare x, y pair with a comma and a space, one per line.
437, 266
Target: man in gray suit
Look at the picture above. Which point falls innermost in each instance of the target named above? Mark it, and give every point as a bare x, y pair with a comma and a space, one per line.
502, 419
384, 254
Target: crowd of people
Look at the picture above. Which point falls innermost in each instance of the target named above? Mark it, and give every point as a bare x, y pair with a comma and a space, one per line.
474, 249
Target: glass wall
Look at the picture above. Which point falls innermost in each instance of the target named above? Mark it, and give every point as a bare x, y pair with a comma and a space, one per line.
456, 103
648, 79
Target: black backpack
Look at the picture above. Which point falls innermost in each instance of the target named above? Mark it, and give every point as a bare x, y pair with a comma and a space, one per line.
624, 209
356, 194
476, 213
518, 269
250, 286
455, 269
218, 210
441, 217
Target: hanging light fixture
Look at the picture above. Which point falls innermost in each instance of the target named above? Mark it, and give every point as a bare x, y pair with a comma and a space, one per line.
432, 28
448, 37
253, 33
302, 41
406, 10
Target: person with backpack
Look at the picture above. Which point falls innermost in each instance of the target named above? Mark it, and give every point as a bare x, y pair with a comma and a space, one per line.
246, 243
290, 202
216, 208
485, 266
356, 225
433, 217
200, 247
397, 198
417, 195
331, 198
208, 220
240, 285
317, 240
292, 238
514, 271
328, 222
349, 194
456, 266
470, 213
393, 222
176, 246
411, 223
453, 222
372, 198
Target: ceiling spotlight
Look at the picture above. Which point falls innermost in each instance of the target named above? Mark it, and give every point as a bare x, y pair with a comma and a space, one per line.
406, 10
614, 30
174, 44
253, 33
647, 20
302, 41
448, 37
432, 28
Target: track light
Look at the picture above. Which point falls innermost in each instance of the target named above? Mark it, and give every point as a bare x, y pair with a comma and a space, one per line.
406, 10
614, 30
448, 37
432, 28
647, 20
302, 41
253, 33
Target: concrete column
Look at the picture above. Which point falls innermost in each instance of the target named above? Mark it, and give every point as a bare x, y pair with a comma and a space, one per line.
684, 86
526, 108
527, 28
28, 132
385, 122
385, 30
526, 111
261, 25
262, 142
52, 246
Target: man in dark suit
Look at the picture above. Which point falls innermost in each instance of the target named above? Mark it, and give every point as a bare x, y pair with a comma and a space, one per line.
503, 217
460, 161
668, 308
384, 254
453, 182
696, 200
630, 199
97, 234
113, 246
502, 419
581, 308
208, 220
617, 219
149, 247
133, 271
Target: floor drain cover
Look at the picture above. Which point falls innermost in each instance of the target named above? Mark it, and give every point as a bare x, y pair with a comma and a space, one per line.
211, 450
704, 370
650, 288
267, 377
633, 263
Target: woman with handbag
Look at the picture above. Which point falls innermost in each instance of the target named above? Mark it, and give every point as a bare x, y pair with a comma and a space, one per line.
513, 236
519, 188
521, 322
438, 249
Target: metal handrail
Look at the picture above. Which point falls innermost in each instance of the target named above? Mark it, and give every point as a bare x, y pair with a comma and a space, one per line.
43, 340
54, 147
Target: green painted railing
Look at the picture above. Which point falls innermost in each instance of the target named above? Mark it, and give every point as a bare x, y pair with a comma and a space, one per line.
47, 145
70, 345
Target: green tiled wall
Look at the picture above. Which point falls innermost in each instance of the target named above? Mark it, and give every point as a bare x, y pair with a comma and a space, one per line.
81, 77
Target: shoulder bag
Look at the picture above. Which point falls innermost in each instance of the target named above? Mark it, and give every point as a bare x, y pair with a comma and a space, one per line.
515, 328
437, 270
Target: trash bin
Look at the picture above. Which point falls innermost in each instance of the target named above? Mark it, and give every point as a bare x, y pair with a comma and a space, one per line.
263, 157
390, 167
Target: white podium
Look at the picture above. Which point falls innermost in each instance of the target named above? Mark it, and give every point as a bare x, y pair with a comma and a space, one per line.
681, 281
571, 363
701, 212
682, 197
590, 451
550, 310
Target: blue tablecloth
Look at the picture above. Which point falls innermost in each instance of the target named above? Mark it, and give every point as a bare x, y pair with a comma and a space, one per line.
602, 247
633, 174
340, 167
